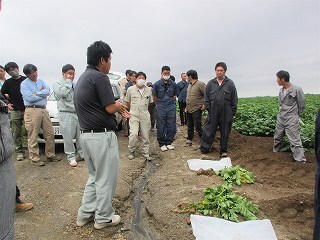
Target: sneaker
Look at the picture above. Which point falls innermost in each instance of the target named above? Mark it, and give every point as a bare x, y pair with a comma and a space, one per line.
54, 159
170, 147
164, 148
148, 158
224, 154
73, 163
199, 152
299, 161
189, 142
131, 156
115, 221
37, 163
20, 156
84, 221
23, 206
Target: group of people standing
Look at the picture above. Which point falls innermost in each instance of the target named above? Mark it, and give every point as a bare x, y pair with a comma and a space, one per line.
219, 98
87, 114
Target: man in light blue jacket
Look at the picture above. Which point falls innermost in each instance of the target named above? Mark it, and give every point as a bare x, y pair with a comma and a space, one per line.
35, 92
68, 119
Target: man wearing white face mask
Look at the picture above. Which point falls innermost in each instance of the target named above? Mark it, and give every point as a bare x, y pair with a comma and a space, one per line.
165, 92
11, 90
138, 98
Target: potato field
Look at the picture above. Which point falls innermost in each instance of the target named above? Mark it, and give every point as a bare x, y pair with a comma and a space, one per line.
257, 116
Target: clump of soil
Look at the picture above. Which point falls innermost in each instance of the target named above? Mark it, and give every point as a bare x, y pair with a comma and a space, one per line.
283, 190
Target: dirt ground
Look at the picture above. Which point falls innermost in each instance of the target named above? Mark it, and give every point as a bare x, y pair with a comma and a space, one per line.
147, 192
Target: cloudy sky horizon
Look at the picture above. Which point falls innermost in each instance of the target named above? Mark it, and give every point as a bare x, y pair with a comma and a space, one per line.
255, 38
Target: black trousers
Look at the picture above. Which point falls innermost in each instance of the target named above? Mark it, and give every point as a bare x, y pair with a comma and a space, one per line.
316, 229
221, 117
183, 115
194, 121
153, 114
17, 195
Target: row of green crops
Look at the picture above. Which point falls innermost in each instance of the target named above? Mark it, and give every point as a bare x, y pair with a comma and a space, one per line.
257, 117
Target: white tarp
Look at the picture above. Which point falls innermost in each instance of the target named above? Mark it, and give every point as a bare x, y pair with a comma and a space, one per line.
216, 165
211, 228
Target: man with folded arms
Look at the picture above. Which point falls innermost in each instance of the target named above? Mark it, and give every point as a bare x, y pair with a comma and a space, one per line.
35, 92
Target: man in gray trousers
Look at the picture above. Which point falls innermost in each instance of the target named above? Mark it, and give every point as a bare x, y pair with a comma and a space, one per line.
291, 104
7, 176
68, 119
96, 108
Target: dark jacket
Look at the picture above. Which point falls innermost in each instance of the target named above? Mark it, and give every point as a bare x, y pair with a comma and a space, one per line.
223, 95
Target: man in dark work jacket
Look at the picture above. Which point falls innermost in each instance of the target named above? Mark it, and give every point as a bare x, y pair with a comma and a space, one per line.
221, 102
316, 229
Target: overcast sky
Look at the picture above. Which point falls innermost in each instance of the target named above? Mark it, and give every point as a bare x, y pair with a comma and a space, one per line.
255, 38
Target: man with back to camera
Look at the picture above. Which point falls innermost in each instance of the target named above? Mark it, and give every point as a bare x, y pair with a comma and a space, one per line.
96, 108
35, 92
68, 119
195, 104
11, 89
164, 93
221, 101
291, 105
183, 86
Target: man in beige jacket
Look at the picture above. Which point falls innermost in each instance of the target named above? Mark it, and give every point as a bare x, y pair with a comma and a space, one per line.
138, 98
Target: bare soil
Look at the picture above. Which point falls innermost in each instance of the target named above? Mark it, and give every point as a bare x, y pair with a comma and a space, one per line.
283, 191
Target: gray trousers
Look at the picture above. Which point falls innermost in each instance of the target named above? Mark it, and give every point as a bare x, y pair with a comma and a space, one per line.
101, 154
290, 127
8, 199
70, 129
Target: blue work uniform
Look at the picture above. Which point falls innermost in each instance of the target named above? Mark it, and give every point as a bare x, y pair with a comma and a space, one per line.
166, 110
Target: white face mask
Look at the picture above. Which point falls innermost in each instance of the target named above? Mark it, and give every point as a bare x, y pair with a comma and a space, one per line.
166, 77
141, 82
14, 74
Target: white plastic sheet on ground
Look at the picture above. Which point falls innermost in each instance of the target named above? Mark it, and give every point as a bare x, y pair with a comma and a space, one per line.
216, 165
207, 228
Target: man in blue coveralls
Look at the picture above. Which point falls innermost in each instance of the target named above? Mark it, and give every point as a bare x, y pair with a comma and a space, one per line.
165, 92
